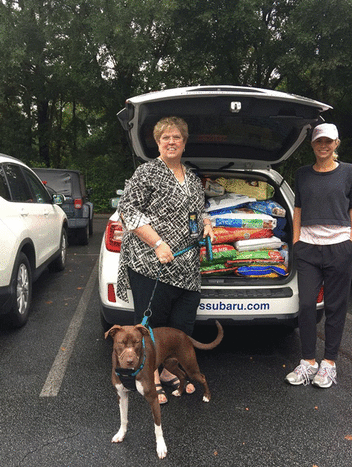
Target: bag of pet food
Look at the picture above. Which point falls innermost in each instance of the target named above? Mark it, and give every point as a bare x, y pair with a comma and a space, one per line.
258, 244
256, 257
212, 188
268, 207
221, 253
262, 271
247, 221
236, 210
228, 200
254, 188
217, 269
233, 234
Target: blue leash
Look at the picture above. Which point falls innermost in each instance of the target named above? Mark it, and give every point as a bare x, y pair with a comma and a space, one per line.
205, 242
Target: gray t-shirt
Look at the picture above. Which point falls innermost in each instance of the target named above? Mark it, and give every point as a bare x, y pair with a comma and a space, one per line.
325, 198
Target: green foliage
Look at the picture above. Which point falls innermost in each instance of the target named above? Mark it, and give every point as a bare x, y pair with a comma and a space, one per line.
68, 66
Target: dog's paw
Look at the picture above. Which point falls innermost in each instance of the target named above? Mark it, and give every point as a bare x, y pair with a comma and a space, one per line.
119, 437
206, 399
161, 448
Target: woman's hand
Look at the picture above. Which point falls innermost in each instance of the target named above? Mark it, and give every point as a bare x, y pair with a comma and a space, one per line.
208, 230
164, 253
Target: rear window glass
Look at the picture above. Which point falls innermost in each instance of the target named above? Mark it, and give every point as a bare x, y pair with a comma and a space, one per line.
61, 182
247, 138
260, 130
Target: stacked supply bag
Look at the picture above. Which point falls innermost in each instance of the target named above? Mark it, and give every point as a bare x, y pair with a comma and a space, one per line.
248, 227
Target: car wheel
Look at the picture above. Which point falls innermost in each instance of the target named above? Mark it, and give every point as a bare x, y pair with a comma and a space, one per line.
60, 262
22, 292
83, 235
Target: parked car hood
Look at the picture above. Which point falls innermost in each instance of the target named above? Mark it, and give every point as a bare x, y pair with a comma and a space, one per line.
238, 127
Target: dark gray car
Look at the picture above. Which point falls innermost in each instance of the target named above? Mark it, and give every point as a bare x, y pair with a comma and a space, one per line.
78, 208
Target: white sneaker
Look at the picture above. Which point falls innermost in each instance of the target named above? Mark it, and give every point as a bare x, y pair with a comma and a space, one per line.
302, 374
325, 376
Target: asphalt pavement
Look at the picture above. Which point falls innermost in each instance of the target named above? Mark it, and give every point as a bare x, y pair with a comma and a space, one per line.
58, 407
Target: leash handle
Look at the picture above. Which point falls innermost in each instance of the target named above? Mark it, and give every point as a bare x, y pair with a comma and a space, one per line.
204, 242
179, 253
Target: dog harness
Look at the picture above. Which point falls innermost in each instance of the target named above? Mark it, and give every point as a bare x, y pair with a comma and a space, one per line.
128, 376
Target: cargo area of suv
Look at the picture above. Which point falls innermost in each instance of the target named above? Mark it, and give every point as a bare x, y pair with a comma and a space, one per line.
236, 136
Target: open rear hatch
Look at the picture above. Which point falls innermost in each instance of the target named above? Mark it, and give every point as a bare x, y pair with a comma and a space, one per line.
247, 127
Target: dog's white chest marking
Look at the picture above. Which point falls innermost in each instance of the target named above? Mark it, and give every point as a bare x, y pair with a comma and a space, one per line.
139, 387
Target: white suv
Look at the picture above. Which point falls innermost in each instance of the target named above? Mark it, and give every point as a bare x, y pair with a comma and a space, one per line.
236, 133
33, 232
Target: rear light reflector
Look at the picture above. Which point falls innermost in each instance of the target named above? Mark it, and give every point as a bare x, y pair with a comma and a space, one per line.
111, 293
321, 295
113, 236
78, 203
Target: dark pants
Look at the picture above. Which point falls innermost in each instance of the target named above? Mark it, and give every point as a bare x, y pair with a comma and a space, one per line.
171, 306
330, 265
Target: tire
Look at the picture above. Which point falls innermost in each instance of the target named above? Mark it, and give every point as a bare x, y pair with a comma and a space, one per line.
59, 263
22, 292
83, 235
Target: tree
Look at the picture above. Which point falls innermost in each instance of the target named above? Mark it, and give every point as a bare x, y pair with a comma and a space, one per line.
68, 67
319, 63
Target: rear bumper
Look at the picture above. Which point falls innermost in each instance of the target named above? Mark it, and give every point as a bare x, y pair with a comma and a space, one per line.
117, 316
78, 223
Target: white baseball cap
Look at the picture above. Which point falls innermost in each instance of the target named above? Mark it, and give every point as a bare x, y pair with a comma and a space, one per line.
328, 130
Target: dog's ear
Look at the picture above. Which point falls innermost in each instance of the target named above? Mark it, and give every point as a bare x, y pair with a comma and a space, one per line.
142, 329
112, 331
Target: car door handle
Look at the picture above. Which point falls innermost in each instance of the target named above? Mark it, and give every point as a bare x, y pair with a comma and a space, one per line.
24, 213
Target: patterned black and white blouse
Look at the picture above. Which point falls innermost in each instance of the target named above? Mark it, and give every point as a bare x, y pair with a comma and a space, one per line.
154, 196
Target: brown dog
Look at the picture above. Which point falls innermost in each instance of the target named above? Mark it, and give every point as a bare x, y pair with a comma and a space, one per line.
134, 352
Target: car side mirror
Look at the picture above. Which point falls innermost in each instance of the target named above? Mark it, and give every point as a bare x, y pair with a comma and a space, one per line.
58, 199
114, 202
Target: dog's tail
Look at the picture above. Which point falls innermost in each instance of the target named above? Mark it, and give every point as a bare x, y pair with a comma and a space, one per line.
211, 345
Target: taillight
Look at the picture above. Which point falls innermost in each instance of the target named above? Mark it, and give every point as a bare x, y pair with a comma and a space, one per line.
78, 203
111, 293
113, 236
321, 295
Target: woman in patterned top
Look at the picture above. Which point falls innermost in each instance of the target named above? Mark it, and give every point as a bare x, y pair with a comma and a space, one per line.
323, 253
162, 210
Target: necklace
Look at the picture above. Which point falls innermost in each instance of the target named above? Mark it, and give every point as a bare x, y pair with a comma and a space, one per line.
178, 172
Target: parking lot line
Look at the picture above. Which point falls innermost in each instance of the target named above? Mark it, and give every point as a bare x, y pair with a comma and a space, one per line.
54, 379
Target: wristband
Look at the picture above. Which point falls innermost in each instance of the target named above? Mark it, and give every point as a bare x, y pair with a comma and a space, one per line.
158, 243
